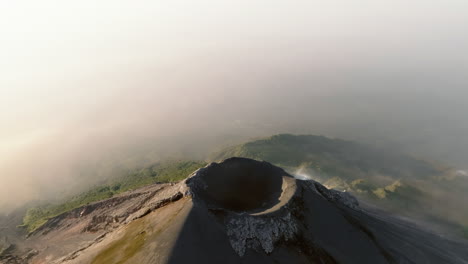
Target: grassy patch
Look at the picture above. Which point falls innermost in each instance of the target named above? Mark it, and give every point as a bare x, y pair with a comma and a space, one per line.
380, 193
123, 249
162, 172
362, 186
330, 157
465, 232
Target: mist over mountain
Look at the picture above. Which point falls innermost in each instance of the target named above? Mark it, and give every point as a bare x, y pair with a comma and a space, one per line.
89, 90
236, 211
430, 193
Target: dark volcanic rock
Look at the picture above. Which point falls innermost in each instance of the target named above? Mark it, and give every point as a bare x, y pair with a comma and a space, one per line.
237, 211
270, 217
238, 184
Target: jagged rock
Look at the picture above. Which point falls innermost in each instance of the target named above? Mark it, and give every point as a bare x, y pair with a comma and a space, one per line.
246, 231
343, 198
236, 211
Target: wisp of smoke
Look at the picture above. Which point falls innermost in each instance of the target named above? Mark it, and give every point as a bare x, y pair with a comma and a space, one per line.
300, 174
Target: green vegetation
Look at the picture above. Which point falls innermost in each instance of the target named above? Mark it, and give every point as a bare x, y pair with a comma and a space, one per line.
465, 232
162, 172
401, 195
362, 186
390, 180
124, 248
339, 164
2, 249
330, 157
392, 188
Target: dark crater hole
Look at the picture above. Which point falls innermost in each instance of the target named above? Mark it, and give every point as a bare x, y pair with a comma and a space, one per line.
239, 184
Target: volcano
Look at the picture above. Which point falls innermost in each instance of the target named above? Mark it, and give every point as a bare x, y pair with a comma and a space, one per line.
236, 211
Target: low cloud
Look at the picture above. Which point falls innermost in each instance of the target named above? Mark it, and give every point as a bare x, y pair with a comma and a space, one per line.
95, 91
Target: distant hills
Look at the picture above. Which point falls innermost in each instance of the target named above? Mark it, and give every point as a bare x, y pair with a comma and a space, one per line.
389, 180
159, 172
236, 211
432, 194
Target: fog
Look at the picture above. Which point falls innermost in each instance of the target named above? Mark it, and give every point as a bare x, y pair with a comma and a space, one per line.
87, 86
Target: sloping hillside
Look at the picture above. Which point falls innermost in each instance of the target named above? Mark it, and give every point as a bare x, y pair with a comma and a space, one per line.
330, 157
233, 212
160, 172
393, 181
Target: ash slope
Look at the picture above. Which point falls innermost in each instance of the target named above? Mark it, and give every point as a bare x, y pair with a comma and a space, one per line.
237, 211
433, 194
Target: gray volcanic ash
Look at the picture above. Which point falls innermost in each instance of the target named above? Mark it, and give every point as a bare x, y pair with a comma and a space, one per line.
236, 211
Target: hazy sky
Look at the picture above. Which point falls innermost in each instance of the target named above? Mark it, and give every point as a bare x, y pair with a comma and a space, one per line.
86, 81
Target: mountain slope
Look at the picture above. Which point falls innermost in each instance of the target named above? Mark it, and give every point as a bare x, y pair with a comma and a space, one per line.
161, 172
390, 180
330, 157
214, 217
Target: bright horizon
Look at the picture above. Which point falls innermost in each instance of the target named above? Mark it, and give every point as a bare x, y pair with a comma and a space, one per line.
85, 81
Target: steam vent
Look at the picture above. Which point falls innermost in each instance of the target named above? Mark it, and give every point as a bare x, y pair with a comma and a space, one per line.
236, 211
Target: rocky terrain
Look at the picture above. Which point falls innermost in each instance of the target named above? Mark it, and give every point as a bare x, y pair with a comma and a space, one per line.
236, 211
430, 192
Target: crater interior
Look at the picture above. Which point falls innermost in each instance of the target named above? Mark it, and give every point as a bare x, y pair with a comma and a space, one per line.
241, 185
